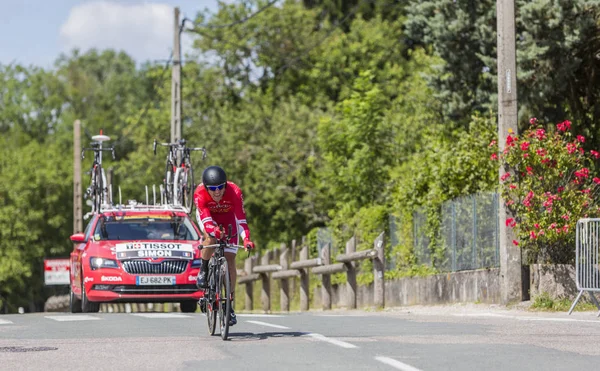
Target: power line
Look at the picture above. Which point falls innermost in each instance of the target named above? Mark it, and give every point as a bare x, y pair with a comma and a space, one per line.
321, 41
240, 21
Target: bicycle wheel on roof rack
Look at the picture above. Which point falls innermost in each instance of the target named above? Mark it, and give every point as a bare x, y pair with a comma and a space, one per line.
187, 186
169, 180
98, 186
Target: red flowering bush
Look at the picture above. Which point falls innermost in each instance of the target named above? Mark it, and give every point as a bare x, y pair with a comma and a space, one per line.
548, 185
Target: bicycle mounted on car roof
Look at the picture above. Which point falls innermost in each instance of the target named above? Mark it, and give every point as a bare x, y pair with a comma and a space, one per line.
217, 298
98, 189
179, 183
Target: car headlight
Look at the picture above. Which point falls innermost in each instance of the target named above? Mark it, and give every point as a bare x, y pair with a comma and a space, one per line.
103, 263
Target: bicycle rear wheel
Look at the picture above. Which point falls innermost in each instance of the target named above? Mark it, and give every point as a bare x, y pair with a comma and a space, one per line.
211, 309
211, 316
224, 291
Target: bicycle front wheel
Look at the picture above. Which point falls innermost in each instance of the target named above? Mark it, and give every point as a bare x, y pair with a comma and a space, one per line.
224, 299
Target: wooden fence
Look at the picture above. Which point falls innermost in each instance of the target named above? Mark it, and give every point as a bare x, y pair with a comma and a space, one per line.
323, 266
287, 268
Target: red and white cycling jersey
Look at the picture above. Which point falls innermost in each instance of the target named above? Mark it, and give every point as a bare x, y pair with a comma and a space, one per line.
229, 210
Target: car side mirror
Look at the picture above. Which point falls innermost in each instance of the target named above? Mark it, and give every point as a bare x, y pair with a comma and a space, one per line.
78, 238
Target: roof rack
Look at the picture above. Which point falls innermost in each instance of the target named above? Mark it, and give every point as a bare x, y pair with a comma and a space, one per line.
133, 205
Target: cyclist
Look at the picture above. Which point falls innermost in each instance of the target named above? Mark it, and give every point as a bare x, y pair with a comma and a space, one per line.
219, 202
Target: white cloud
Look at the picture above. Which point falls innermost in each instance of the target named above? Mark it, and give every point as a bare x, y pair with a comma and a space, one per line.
144, 31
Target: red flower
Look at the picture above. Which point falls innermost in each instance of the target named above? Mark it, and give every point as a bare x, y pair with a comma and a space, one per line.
529, 170
515, 242
595, 154
492, 143
596, 180
541, 152
510, 141
505, 176
510, 222
512, 186
532, 235
540, 134
581, 139
532, 121
571, 148
583, 173
494, 157
564, 126
524, 146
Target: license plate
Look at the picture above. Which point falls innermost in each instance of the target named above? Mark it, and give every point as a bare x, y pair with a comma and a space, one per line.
155, 280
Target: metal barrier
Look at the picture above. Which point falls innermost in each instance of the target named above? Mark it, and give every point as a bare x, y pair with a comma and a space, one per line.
587, 258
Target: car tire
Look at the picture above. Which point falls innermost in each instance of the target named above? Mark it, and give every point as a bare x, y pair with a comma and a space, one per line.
188, 306
86, 305
74, 303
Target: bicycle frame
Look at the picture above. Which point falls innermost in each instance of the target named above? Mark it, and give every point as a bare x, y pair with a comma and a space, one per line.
212, 294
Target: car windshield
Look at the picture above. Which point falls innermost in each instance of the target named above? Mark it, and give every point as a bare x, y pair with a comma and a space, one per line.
145, 228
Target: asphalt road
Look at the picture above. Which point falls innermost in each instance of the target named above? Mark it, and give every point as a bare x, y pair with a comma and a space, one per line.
408, 339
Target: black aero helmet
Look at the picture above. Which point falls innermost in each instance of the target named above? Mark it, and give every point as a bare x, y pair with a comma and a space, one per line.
213, 176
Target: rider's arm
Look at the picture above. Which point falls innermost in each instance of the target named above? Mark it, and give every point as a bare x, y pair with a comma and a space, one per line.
240, 213
205, 220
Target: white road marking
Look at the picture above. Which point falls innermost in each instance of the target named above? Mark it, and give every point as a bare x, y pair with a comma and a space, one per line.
82, 317
268, 324
339, 343
556, 319
160, 315
396, 364
259, 315
5, 322
528, 318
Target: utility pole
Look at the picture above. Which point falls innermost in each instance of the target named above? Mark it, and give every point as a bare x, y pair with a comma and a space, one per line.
176, 82
77, 202
510, 254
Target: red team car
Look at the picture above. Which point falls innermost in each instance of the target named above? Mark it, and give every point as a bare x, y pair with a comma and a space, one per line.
136, 253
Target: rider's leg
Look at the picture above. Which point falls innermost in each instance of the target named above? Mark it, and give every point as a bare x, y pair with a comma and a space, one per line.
205, 254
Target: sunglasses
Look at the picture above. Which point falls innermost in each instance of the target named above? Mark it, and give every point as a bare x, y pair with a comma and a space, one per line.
216, 188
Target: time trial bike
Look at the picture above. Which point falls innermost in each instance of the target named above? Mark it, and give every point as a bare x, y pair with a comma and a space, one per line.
98, 189
217, 299
179, 183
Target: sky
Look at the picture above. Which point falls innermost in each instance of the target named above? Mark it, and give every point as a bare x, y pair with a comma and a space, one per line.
36, 32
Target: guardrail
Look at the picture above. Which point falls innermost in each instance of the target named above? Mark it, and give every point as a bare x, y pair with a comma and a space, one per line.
587, 259
322, 266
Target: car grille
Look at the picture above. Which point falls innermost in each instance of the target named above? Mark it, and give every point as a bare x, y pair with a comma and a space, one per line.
154, 290
145, 267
